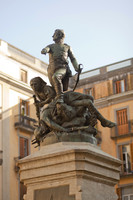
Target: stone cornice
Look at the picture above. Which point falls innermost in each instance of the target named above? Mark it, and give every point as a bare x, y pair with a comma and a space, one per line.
43, 71
22, 57
15, 83
114, 99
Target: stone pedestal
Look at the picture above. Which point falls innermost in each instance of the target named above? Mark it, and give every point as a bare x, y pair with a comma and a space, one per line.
70, 171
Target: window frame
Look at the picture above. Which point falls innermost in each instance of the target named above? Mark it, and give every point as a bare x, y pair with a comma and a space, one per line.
122, 121
118, 81
91, 91
115, 117
24, 73
26, 106
28, 146
120, 156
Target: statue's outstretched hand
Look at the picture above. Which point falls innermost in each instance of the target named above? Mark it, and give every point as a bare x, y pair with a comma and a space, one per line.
44, 51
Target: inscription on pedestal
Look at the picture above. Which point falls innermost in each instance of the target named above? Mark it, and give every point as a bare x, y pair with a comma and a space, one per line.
55, 193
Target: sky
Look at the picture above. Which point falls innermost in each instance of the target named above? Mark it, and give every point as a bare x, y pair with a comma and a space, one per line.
100, 32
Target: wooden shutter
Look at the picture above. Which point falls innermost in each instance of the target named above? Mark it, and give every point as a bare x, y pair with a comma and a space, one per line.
131, 154
92, 92
23, 190
24, 147
21, 147
118, 86
118, 192
122, 122
121, 157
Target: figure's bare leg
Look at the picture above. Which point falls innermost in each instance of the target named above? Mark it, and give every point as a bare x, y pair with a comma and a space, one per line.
58, 86
65, 82
74, 122
92, 109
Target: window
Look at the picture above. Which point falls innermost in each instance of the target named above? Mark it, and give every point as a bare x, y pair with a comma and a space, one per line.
126, 155
24, 151
24, 107
125, 193
119, 86
24, 111
24, 147
23, 190
0, 101
23, 75
122, 121
89, 91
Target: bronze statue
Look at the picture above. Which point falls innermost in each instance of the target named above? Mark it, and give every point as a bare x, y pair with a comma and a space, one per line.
58, 110
77, 111
58, 69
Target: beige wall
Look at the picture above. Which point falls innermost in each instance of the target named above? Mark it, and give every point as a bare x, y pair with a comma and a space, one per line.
12, 60
108, 103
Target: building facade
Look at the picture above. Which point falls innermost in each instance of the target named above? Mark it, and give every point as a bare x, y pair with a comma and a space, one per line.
17, 115
112, 88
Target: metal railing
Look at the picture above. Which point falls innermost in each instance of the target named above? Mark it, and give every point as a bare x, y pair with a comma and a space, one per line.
24, 122
126, 170
122, 130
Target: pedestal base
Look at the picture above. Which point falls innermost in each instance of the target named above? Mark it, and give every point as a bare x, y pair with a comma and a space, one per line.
70, 171
75, 136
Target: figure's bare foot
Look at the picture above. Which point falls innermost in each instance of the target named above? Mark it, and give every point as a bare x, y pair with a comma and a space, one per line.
107, 123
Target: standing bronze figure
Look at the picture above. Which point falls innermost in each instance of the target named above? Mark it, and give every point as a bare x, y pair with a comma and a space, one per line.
58, 69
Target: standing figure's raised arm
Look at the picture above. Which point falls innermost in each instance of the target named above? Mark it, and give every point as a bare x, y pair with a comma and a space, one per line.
45, 50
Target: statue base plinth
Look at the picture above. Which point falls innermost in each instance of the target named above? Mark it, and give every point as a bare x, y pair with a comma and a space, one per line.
70, 171
75, 136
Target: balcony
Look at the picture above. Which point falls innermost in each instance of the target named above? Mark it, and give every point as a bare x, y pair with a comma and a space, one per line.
122, 131
25, 123
126, 173
126, 169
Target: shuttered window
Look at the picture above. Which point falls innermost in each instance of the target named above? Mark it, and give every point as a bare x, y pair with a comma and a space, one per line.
24, 111
89, 91
24, 107
127, 193
120, 86
131, 150
23, 75
126, 155
24, 151
122, 122
23, 190
24, 147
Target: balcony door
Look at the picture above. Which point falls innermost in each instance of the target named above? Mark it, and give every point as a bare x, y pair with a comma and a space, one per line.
24, 111
24, 107
122, 122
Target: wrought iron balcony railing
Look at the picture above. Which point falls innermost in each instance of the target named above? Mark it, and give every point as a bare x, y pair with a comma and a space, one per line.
25, 123
122, 130
126, 170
